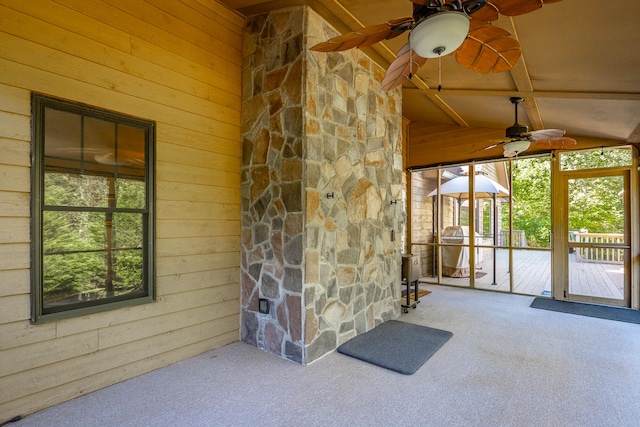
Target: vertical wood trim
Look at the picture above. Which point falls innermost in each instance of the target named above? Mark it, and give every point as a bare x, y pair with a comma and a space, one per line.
408, 185
559, 229
634, 215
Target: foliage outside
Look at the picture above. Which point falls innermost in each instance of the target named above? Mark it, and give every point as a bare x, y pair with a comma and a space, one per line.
596, 204
76, 261
531, 201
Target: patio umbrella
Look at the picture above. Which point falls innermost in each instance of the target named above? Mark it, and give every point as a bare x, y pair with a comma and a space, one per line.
485, 188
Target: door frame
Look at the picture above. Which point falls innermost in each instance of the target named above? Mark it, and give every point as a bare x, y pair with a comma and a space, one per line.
560, 240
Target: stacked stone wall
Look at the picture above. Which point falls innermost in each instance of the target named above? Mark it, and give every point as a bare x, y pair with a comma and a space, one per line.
272, 183
353, 189
322, 182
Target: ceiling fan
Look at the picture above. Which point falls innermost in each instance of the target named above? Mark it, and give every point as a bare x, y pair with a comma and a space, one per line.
441, 27
519, 139
104, 155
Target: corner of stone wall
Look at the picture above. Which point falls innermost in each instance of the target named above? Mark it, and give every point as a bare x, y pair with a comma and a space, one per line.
272, 183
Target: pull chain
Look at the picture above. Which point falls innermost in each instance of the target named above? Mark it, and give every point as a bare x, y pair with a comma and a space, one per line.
439, 51
410, 63
439, 73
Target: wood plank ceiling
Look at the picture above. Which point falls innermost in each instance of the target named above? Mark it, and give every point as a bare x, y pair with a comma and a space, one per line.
579, 71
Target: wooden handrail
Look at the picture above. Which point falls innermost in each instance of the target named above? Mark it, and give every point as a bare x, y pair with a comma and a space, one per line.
519, 238
597, 253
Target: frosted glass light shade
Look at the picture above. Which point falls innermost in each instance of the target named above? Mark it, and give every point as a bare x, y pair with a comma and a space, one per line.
517, 146
439, 34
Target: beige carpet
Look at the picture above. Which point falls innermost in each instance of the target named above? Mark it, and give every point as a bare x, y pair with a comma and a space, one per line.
506, 365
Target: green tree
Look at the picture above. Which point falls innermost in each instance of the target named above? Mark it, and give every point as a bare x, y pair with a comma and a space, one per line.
75, 242
531, 200
595, 203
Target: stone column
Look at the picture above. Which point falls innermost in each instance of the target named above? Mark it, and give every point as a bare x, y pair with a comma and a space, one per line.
322, 182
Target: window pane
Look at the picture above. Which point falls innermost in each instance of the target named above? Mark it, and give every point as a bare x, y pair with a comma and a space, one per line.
80, 277
127, 240
130, 194
592, 159
79, 264
493, 271
99, 146
423, 208
127, 271
73, 231
131, 144
127, 230
532, 272
130, 153
76, 190
531, 203
62, 140
72, 278
596, 205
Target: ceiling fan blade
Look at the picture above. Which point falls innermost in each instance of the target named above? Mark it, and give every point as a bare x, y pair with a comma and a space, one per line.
366, 36
489, 147
488, 13
488, 48
555, 143
491, 10
406, 62
546, 134
434, 3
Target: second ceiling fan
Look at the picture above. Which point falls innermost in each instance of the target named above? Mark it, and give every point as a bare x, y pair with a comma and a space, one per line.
441, 27
519, 139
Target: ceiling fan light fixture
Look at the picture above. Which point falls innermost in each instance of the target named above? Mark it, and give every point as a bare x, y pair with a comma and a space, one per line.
439, 34
517, 146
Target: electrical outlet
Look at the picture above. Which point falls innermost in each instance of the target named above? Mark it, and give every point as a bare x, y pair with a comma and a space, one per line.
263, 305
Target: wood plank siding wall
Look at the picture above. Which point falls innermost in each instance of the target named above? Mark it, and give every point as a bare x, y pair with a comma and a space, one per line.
178, 63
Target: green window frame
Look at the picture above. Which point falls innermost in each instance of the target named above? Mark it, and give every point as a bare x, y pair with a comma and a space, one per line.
92, 209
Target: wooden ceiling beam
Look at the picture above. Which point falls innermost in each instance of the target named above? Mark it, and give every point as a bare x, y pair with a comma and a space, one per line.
634, 136
521, 78
263, 7
616, 96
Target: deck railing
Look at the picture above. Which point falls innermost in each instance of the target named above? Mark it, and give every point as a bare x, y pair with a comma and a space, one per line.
598, 254
519, 238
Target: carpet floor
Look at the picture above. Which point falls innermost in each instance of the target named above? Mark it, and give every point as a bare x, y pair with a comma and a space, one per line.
506, 365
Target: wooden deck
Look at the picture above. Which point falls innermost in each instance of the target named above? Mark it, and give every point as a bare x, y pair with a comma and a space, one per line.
532, 275
597, 279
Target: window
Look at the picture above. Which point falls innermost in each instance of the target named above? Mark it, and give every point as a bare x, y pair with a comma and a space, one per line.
595, 159
92, 209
